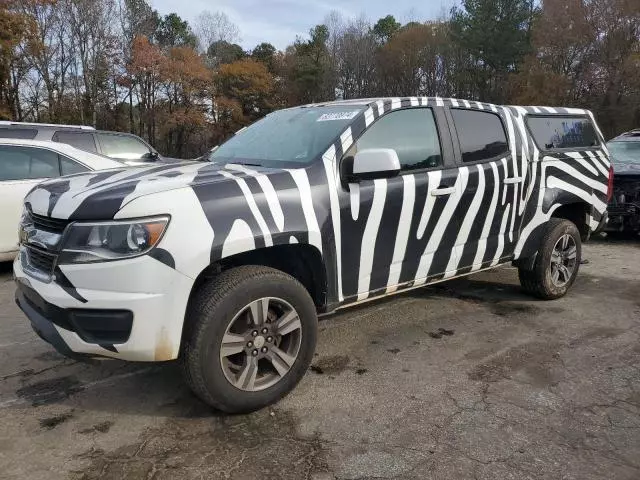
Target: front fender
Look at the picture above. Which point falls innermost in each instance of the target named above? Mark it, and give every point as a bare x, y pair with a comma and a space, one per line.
186, 244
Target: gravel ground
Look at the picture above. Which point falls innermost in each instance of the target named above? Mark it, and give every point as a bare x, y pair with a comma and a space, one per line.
465, 379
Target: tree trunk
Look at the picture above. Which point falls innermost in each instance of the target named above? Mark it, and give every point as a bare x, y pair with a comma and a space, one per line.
131, 108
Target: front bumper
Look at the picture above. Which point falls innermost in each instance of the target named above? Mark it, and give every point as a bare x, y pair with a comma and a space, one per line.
129, 309
624, 217
41, 324
8, 256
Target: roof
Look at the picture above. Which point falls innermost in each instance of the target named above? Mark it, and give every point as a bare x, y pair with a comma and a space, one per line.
453, 102
630, 136
7, 123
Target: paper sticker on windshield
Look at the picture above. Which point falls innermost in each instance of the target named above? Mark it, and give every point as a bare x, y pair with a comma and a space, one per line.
326, 117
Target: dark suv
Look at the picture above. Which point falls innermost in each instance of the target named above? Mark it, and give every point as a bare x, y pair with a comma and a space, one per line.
624, 208
117, 145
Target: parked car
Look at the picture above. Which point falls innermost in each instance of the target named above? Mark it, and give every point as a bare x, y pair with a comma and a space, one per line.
116, 145
227, 264
624, 207
25, 163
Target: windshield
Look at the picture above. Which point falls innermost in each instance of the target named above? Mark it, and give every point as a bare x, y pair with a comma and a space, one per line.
287, 138
624, 151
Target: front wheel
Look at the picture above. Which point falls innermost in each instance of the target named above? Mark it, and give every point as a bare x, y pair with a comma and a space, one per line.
250, 339
557, 263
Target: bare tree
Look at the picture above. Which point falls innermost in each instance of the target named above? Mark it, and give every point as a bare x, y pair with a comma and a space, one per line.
356, 57
215, 27
93, 27
53, 61
336, 24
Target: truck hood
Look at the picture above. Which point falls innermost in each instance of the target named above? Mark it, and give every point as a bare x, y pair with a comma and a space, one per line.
99, 195
620, 168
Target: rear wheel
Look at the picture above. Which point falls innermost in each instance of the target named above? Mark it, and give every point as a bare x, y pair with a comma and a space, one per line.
251, 338
557, 263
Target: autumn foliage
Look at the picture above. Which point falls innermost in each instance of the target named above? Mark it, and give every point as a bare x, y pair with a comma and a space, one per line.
120, 65
17, 33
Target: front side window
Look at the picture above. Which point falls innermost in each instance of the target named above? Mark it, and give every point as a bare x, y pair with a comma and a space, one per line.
481, 135
553, 132
22, 163
412, 133
124, 147
80, 140
287, 138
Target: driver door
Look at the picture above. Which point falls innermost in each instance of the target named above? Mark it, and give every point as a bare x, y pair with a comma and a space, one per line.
402, 228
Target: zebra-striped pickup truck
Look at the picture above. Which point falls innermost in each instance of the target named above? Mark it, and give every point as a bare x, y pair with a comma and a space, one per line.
226, 264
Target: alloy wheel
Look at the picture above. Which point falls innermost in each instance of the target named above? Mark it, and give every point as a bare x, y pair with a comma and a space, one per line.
563, 260
261, 344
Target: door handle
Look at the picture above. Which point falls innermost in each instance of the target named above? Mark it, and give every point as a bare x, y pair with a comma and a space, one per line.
510, 180
443, 191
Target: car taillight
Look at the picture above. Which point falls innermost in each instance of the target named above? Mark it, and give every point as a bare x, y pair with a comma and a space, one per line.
610, 185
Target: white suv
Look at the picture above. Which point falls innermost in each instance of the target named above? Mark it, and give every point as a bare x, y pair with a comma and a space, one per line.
116, 145
24, 164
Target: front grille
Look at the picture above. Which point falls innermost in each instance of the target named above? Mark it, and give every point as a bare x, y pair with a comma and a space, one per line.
41, 260
49, 224
622, 209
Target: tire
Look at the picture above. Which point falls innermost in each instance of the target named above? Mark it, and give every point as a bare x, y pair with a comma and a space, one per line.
539, 281
223, 302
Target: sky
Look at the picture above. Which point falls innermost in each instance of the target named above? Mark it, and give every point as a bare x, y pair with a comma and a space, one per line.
279, 21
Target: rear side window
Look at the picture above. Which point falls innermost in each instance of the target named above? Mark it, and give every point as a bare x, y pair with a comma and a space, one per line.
21, 163
21, 133
68, 166
412, 133
80, 140
481, 135
553, 132
124, 147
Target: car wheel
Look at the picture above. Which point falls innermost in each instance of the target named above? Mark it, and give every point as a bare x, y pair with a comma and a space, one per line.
557, 263
250, 337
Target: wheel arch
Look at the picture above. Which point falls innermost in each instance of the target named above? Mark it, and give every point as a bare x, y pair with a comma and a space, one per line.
302, 261
578, 213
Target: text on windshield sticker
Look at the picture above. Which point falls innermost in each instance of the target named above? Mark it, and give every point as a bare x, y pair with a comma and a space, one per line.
326, 117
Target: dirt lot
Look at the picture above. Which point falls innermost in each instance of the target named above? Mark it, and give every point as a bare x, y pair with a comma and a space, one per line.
469, 379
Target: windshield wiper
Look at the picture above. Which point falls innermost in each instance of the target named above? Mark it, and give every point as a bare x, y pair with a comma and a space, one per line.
246, 164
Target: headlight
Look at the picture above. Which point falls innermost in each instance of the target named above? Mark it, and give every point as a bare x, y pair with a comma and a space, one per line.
102, 241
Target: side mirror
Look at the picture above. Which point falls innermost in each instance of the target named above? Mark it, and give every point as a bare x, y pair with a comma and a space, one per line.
152, 156
206, 157
375, 163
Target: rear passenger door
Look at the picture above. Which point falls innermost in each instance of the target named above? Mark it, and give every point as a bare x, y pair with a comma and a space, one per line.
20, 169
488, 204
398, 230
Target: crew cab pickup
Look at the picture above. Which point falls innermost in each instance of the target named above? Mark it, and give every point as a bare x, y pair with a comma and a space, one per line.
226, 265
